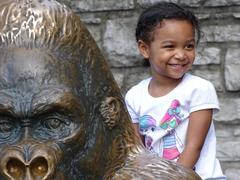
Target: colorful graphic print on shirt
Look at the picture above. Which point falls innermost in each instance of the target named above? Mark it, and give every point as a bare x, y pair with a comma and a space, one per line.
168, 123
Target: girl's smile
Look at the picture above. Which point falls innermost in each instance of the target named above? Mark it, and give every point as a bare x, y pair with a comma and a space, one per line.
172, 51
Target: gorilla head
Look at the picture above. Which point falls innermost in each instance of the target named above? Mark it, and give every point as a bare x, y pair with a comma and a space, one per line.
61, 113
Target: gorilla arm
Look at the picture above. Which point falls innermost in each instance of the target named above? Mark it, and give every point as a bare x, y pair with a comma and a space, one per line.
145, 165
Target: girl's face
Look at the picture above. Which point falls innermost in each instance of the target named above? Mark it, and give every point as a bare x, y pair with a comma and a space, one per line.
171, 53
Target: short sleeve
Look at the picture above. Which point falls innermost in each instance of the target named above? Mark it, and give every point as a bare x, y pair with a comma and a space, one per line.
129, 101
204, 97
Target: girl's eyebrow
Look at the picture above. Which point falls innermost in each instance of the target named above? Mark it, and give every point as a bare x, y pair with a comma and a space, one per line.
171, 41
167, 41
191, 40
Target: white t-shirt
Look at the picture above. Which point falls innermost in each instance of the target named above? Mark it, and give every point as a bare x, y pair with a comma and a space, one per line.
164, 120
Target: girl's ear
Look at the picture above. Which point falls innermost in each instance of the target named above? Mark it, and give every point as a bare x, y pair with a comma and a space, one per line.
143, 48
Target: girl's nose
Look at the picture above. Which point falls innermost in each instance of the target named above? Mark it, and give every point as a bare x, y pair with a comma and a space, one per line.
180, 54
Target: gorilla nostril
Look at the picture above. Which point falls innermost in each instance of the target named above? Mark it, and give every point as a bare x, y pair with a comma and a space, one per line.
39, 167
15, 168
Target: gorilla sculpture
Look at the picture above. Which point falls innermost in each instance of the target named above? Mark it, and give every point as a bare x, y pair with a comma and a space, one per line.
61, 113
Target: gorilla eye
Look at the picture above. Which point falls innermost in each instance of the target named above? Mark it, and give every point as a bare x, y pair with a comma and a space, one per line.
6, 127
53, 123
54, 126
8, 130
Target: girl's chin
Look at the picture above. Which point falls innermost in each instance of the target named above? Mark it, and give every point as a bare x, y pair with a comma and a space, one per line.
176, 75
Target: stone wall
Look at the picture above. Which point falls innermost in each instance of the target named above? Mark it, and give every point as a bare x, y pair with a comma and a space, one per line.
112, 24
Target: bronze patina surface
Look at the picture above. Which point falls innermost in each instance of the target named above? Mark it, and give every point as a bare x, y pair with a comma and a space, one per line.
62, 115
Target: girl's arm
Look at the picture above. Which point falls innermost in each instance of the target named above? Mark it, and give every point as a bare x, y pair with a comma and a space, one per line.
136, 129
199, 123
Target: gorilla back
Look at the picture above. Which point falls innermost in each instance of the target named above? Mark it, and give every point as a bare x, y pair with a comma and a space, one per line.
61, 112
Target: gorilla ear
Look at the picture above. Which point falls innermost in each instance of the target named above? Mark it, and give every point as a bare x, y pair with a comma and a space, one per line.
110, 109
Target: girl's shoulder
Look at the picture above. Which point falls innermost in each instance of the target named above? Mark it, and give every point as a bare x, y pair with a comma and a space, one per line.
200, 92
195, 86
196, 81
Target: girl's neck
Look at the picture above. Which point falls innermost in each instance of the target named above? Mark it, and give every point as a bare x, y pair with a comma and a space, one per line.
162, 86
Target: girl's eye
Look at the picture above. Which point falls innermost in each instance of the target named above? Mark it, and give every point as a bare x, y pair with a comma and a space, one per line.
170, 46
190, 46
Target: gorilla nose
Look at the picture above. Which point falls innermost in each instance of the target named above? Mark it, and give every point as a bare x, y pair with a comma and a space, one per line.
15, 168
37, 169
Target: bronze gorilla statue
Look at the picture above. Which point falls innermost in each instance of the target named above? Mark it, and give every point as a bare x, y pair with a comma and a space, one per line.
61, 113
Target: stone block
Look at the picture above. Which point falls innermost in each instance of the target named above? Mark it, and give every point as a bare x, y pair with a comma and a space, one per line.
236, 132
221, 33
228, 150
236, 15
208, 55
232, 174
222, 132
231, 169
191, 3
202, 16
214, 3
119, 42
232, 67
146, 3
230, 110
102, 5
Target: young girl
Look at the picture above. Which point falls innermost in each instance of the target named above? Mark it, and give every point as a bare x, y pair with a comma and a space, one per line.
172, 110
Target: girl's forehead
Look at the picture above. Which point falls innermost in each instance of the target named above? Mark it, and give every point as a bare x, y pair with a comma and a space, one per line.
174, 22
176, 29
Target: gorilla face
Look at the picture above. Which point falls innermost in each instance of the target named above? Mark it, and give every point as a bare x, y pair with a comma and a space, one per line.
41, 116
